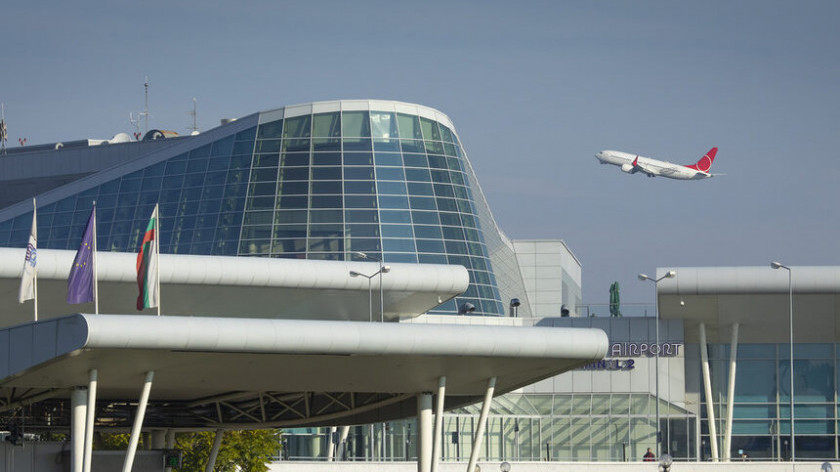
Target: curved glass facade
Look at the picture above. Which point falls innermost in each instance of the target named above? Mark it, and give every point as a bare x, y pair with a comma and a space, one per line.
320, 181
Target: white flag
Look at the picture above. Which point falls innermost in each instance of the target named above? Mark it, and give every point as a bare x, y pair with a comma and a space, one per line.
30, 270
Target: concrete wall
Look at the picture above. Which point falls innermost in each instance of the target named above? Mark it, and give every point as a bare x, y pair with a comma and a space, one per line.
55, 457
294, 466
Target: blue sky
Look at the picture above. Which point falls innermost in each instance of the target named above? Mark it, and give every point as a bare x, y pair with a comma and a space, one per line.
534, 90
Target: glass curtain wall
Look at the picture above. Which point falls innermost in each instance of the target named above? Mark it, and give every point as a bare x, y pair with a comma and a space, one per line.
560, 428
761, 425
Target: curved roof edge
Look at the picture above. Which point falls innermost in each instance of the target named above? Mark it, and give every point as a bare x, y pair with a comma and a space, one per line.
739, 280
289, 111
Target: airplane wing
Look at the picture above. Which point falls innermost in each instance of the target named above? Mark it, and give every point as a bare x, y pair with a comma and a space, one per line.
648, 171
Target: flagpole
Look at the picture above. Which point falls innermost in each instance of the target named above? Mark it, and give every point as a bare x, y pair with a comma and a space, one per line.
35, 279
157, 255
95, 278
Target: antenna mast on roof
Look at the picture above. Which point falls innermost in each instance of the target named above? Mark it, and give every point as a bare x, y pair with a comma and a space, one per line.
144, 115
194, 114
3, 132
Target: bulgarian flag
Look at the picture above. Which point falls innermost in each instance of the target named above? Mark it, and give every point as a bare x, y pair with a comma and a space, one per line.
148, 277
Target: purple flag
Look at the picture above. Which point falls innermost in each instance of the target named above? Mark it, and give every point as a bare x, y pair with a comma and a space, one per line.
80, 282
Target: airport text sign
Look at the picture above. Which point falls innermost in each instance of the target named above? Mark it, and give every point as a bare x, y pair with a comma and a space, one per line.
633, 350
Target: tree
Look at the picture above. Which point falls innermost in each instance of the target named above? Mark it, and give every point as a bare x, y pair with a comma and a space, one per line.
245, 451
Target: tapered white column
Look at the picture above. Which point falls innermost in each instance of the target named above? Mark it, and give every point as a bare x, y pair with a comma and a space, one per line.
91, 414
424, 432
710, 401
138, 422
482, 424
330, 445
436, 442
78, 406
342, 441
730, 394
214, 453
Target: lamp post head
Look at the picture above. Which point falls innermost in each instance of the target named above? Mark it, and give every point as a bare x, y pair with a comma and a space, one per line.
360, 254
386, 269
353, 273
777, 265
671, 274
665, 462
643, 277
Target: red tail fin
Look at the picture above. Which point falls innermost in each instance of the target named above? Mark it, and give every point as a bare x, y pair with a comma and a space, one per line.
705, 162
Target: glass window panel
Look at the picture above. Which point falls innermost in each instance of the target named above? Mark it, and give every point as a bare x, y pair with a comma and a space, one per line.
362, 230
425, 217
420, 188
325, 216
326, 201
326, 125
295, 159
358, 159
359, 186
264, 175
396, 231
418, 175
294, 173
295, 145
238, 162
326, 231
431, 258
415, 160
325, 244
386, 201
409, 126
458, 178
430, 129
290, 216
260, 203
369, 246
456, 247
268, 146
326, 159
355, 124
755, 381
361, 216
423, 203
453, 232
450, 219
326, 144
326, 187
441, 176
360, 201
286, 202
444, 190
263, 189
395, 216
812, 351
429, 232
266, 160
410, 145
256, 232
243, 148
445, 133
358, 173
386, 145
383, 124
437, 162
434, 146
388, 159
176, 167
391, 188
289, 231
357, 144
258, 217
398, 245
814, 380
271, 129
402, 257
389, 173
430, 245
326, 173
297, 127
293, 188
447, 204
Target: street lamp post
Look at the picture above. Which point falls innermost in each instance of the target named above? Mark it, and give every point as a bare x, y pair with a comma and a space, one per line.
777, 265
383, 269
668, 275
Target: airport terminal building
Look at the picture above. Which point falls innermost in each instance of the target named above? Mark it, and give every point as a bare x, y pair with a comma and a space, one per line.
264, 218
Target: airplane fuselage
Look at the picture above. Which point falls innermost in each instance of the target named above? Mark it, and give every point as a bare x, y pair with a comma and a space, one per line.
632, 163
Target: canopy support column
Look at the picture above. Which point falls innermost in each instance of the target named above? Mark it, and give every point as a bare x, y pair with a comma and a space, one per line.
424, 432
436, 443
91, 416
730, 395
342, 443
78, 406
710, 401
138, 422
331, 445
482, 424
214, 453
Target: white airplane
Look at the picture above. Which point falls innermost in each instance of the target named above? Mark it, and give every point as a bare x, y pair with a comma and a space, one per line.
632, 163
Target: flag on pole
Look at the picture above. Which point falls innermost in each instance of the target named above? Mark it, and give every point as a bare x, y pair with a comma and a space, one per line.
81, 281
147, 266
30, 270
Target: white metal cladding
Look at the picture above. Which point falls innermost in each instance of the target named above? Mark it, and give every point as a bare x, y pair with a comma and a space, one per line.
245, 271
744, 280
